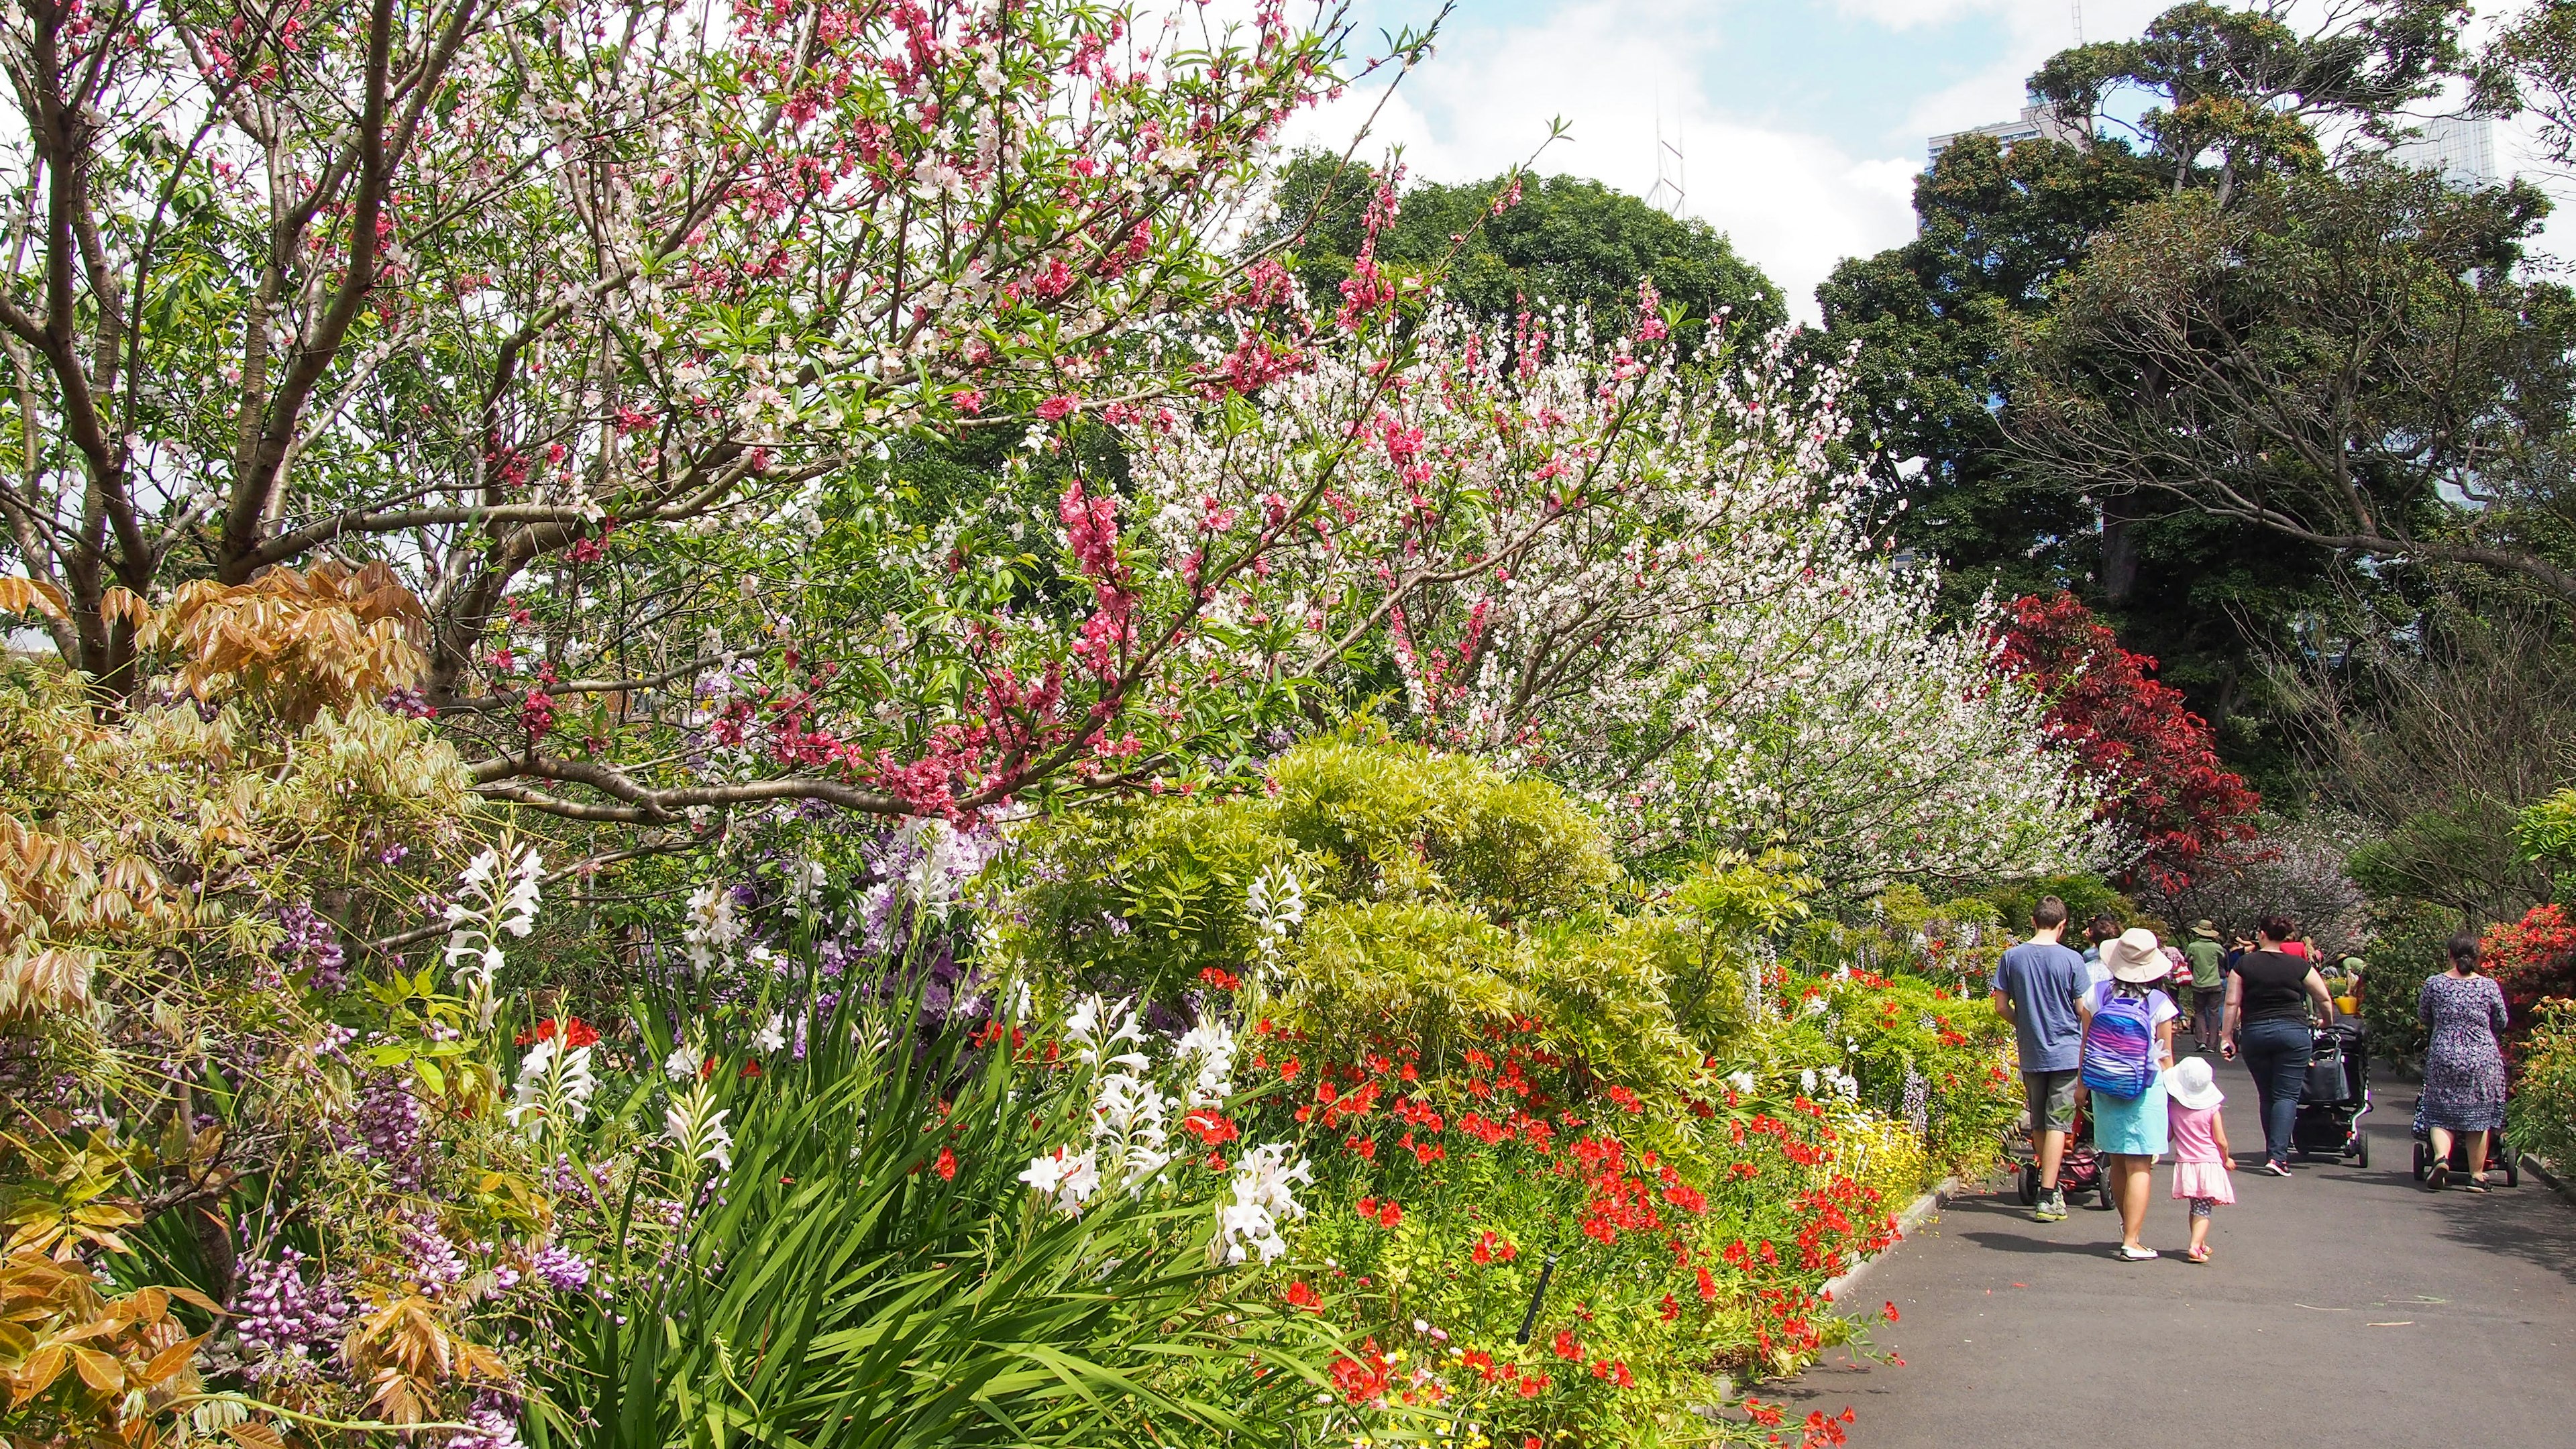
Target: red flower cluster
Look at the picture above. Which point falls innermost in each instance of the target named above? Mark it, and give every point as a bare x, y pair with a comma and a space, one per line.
577, 1033
2531, 958
1363, 1379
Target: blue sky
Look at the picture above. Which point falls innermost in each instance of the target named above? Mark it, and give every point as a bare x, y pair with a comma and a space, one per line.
1802, 121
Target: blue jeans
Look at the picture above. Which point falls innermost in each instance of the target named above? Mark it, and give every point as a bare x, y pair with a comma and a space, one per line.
2276, 1051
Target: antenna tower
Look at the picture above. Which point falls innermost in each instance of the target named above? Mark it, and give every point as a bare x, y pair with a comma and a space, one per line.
2079, 21
1671, 174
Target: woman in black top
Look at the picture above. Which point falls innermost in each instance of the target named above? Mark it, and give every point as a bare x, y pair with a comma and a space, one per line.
2267, 1016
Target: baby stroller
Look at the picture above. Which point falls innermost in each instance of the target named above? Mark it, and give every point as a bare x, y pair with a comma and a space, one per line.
2336, 1096
2078, 1172
2500, 1157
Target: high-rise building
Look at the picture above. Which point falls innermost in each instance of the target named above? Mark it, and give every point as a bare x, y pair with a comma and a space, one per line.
2462, 148
2035, 122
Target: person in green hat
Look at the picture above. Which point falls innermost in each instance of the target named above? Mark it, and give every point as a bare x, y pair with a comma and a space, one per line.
2208, 983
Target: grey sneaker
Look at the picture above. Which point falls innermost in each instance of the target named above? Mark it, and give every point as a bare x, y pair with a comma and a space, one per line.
2052, 1207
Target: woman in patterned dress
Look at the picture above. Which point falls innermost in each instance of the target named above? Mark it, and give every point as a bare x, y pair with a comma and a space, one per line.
2463, 1067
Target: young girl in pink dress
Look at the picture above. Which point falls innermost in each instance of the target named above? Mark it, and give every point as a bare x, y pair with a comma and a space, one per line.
2199, 1143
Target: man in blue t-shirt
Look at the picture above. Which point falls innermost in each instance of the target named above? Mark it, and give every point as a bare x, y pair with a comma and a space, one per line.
2036, 989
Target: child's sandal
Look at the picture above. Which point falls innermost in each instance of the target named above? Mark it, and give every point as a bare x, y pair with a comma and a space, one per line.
2197, 1255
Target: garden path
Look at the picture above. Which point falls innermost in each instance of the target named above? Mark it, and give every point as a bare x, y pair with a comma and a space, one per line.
2346, 1308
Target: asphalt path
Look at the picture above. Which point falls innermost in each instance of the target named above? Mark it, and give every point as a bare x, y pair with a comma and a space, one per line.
2344, 1307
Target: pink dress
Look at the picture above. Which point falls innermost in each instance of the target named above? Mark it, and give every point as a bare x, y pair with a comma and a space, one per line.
2199, 1169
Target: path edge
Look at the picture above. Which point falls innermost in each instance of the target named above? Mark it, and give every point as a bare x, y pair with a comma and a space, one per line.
1836, 1289
2550, 1175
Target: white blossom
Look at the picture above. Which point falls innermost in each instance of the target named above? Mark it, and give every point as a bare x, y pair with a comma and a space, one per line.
554, 1088
683, 1062
1068, 1176
1263, 1195
1273, 906
490, 902
696, 1128
1210, 1047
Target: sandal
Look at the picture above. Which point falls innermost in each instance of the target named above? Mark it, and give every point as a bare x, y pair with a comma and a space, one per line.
2197, 1255
2476, 1184
2439, 1178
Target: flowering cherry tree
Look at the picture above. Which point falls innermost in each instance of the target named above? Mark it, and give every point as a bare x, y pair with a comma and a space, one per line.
542, 304
1656, 585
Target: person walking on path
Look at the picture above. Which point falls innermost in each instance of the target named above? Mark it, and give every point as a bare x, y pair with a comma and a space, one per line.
2198, 1136
2267, 1020
2104, 930
2208, 984
2128, 1043
2463, 1065
2036, 989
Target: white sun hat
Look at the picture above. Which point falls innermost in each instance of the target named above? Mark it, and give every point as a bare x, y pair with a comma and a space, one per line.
2136, 957
2190, 1083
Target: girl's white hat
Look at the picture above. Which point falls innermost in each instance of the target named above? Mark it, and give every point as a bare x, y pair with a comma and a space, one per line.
2190, 1083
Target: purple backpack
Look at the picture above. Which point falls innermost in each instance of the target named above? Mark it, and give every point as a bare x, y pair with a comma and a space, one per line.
2120, 1045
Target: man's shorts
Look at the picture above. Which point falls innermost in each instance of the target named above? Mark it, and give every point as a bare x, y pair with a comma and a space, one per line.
2051, 1098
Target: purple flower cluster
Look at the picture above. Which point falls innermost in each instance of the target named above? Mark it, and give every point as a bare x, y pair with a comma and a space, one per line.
567, 1183
285, 1323
495, 1418
436, 1265
393, 1130
312, 946
564, 1270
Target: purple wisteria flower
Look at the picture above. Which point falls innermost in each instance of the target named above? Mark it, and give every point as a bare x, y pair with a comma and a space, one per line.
436, 1265
564, 1270
286, 1324
393, 1130
495, 1418
312, 945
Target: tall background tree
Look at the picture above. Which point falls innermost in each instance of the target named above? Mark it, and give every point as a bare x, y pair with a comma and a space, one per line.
1564, 241
2210, 108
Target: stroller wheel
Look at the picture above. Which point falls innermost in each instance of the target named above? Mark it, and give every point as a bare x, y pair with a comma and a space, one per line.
2106, 1203
2361, 1153
2030, 1184
2423, 1161
2513, 1169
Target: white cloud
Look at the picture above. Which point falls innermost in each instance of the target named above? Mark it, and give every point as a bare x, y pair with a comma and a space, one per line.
1793, 202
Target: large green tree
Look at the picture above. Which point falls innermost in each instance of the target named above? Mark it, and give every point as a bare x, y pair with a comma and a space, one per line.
2350, 360
2207, 104
1558, 241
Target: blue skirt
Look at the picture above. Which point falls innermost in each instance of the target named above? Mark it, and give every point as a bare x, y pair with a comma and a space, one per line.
2134, 1126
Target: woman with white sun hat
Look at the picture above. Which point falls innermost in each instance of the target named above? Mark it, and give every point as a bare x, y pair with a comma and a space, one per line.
2128, 1043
